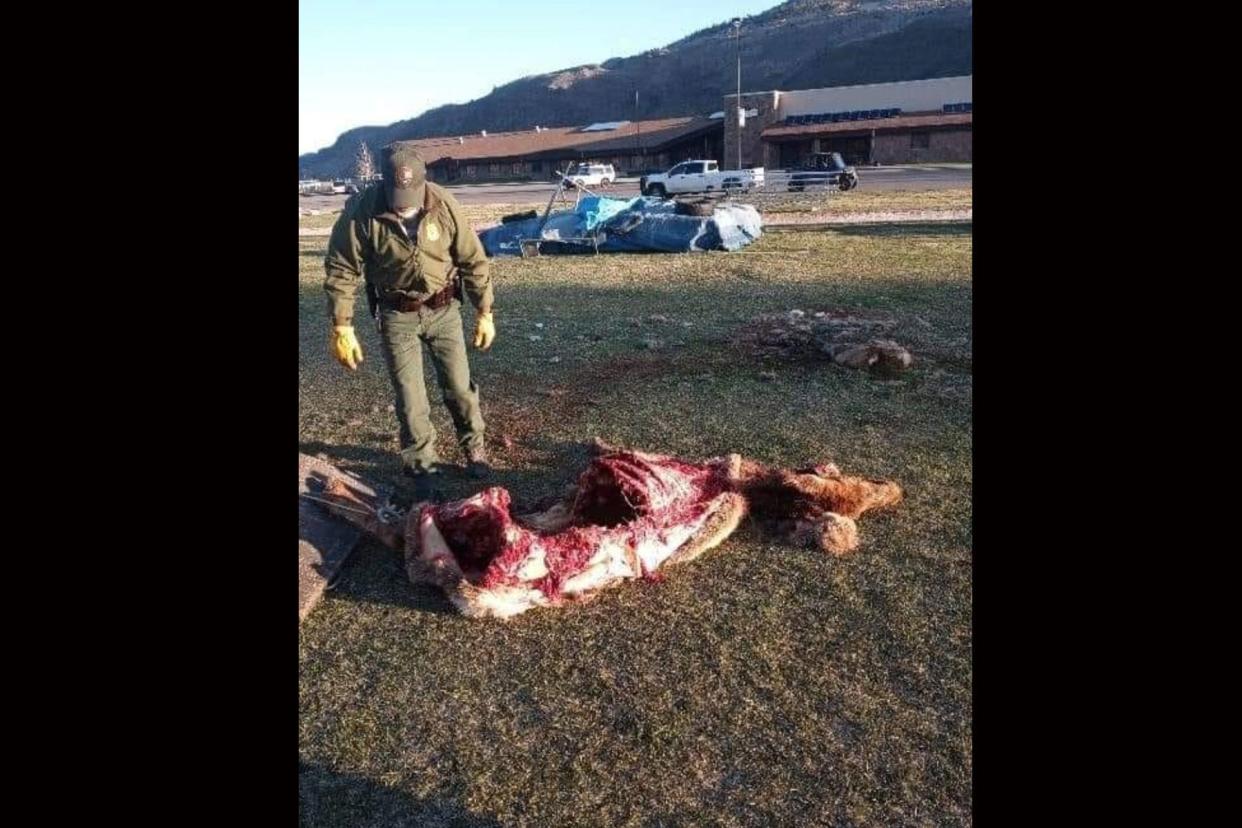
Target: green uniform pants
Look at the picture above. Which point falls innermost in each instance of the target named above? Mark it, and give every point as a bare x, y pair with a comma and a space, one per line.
402, 336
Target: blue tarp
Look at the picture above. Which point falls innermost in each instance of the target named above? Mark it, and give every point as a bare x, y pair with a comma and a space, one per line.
629, 225
597, 210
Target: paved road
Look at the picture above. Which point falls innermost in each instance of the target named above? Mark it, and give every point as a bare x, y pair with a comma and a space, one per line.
929, 177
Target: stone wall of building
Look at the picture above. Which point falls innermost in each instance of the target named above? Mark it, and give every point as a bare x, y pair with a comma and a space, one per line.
942, 146
755, 151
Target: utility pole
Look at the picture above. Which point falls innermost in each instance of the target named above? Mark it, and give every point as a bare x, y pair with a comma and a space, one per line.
639, 124
741, 113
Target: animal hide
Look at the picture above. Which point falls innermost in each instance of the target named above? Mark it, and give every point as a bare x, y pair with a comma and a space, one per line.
629, 514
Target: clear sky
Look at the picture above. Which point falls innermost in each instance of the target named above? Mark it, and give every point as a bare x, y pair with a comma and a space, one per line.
372, 62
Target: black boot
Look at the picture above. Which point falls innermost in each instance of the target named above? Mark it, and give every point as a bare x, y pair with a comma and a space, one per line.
425, 485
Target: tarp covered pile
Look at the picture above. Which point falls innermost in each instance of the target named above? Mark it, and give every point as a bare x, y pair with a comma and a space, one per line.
616, 225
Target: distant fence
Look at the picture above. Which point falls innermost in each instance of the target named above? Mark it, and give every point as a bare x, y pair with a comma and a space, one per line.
314, 188
309, 187
796, 187
797, 181
784, 182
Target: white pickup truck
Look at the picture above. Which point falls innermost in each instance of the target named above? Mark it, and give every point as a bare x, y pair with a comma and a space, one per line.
699, 177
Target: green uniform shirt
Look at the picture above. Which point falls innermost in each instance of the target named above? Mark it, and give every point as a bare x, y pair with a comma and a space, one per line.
368, 242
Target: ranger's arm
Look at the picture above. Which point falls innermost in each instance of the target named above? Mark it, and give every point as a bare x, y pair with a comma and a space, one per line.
471, 260
344, 265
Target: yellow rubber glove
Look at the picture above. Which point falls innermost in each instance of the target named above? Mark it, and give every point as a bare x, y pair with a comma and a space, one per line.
484, 331
345, 346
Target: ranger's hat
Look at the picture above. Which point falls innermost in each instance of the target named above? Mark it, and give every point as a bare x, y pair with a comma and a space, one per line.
405, 175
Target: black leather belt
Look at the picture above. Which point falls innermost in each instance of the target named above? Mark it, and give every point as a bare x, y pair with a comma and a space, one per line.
408, 304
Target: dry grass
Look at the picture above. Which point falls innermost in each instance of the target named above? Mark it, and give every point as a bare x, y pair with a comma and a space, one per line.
761, 685
867, 201
324, 220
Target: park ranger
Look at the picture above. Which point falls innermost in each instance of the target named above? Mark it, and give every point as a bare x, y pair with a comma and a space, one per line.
408, 241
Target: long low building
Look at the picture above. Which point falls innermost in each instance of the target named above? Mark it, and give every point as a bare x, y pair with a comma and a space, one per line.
631, 147
882, 123
907, 122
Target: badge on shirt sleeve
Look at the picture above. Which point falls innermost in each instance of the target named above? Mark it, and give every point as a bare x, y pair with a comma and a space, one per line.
433, 231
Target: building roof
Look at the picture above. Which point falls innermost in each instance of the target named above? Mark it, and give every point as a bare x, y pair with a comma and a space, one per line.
655, 135
911, 121
560, 141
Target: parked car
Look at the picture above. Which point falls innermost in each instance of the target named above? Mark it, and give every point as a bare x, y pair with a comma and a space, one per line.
338, 187
824, 169
590, 175
701, 176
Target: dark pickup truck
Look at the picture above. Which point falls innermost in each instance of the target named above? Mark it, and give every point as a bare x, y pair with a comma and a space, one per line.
824, 169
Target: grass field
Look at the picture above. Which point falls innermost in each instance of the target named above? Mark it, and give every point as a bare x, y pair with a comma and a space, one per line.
759, 685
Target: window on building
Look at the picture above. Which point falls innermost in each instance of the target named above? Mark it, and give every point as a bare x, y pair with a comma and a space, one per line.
536, 166
920, 140
517, 168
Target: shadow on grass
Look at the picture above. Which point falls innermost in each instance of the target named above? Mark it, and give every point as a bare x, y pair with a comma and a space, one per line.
559, 463
329, 798
371, 464
891, 230
375, 575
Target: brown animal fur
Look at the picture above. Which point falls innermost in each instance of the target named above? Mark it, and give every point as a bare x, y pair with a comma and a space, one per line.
815, 506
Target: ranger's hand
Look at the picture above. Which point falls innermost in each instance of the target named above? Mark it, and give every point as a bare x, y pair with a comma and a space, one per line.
484, 331
345, 346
